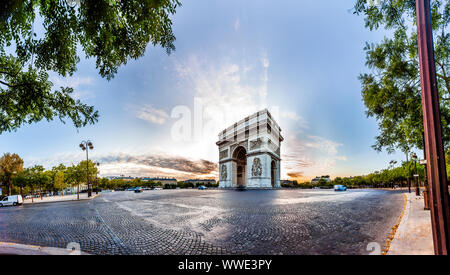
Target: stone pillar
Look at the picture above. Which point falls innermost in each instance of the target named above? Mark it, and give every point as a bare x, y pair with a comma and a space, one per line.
234, 174
277, 182
227, 181
263, 167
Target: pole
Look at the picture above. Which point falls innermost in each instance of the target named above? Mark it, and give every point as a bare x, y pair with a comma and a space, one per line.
408, 176
425, 182
87, 171
417, 178
437, 178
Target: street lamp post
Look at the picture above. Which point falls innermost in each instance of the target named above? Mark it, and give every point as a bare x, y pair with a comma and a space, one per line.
436, 174
416, 176
85, 146
96, 179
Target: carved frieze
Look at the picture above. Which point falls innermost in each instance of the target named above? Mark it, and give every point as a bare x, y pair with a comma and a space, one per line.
223, 172
256, 167
223, 154
255, 144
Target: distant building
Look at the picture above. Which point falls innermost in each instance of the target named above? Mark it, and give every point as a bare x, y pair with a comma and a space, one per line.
197, 182
120, 178
162, 180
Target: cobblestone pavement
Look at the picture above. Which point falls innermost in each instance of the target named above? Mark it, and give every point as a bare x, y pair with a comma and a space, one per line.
188, 222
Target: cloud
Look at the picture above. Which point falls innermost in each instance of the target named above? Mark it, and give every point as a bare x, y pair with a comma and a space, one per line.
152, 115
295, 175
323, 144
160, 161
137, 165
78, 84
237, 24
227, 91
300, 121
306, 156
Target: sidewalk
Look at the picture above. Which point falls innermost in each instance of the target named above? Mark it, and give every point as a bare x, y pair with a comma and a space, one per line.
413, 236
83, 196
23, 249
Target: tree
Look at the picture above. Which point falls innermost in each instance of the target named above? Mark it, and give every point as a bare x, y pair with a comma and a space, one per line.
447, 164
92, 170
391, 92
59, 183
38, 178
111, 31
21, 181
75, 176
10, 166
58, 176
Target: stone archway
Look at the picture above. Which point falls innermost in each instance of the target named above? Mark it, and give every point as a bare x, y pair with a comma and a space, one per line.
240, 157
273, 173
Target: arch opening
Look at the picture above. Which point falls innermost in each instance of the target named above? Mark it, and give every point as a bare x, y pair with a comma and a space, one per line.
240, 156
273, 173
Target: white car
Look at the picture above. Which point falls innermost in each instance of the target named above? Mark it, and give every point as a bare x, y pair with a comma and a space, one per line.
11, 200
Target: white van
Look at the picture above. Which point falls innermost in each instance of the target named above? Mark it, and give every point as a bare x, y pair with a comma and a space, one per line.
11, 200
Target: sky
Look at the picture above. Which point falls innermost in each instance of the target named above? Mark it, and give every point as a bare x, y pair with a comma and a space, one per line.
161, 114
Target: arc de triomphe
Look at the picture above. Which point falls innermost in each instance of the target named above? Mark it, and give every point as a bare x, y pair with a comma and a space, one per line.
249, 153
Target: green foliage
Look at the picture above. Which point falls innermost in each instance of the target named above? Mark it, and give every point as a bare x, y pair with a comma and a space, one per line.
59, 183
111, 32
10, 166
447, 164
391, 92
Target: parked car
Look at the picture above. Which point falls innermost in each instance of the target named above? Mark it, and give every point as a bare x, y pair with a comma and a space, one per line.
340, 188
11, 200
202, 187
130, 189
157, 188
138, 190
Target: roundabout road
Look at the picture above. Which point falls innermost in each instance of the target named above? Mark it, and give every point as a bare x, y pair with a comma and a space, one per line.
188, 222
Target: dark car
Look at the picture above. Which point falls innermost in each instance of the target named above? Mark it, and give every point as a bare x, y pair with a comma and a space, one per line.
241, 188
138, 190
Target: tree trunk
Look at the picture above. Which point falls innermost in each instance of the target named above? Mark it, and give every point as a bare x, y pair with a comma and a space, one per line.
407, 176
8, 187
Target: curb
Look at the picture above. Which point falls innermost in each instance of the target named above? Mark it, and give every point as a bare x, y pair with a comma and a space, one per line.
23, 249
391, 235
40, 202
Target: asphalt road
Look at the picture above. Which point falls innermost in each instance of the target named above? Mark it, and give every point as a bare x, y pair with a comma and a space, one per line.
189, 222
